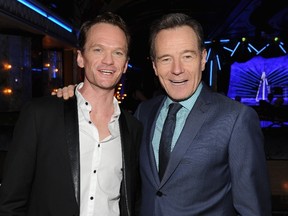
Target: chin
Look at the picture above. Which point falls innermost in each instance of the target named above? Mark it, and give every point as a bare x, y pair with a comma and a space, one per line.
178, 97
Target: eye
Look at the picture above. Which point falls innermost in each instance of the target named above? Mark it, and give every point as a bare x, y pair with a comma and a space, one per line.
189, 57
165, 60
118, 53
97, 50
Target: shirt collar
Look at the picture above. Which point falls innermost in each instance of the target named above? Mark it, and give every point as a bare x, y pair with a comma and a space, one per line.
189, 102
84, 104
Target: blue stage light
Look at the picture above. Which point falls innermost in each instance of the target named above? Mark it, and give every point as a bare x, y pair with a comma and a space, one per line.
262, 49
211, 73
218, 62
208, 54
43, 13
224, 40
59, 23
235, 49
34, 8
282, 48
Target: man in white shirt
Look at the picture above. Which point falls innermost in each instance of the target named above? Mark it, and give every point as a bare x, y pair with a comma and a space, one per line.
83, 159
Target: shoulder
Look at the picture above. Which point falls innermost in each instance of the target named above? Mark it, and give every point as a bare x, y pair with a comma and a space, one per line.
46, 103
223, 102
149, 104
129, 118
129, 123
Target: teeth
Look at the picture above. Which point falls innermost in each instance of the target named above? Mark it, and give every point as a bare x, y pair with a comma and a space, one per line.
107, 71
177, 81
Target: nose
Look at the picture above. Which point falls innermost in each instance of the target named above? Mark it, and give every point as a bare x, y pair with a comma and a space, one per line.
108, 58
176, 67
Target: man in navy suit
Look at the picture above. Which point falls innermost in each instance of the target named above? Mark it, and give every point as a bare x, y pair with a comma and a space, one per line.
78, 157
217, 164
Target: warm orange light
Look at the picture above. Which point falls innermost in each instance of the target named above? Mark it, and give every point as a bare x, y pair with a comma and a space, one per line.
7, 66
285, 186
56, 70
118, 94
7, 91
47, 65
55, 90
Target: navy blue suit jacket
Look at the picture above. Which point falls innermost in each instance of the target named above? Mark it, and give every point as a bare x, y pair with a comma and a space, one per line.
217, 167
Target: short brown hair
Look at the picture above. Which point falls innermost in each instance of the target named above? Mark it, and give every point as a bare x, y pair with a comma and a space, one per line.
107, 17
174, 20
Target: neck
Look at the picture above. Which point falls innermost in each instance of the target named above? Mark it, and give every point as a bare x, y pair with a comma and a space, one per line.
98, 98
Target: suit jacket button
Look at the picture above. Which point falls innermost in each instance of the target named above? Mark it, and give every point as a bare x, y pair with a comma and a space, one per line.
159, 193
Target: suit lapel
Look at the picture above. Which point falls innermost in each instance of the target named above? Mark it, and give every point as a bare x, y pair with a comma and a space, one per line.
192, 126
72, 138
125, 139
151, 124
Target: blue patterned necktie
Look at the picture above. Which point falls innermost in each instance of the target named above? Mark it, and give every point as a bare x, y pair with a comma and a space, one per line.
166, 137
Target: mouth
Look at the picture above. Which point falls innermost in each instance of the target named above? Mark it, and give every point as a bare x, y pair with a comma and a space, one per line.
107, 71
178, 82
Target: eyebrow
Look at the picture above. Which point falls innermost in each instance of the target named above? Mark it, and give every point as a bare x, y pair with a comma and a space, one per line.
163, 56
183, 52
189, 51
124, 49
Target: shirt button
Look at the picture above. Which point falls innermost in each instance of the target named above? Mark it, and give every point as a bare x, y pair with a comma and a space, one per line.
90, 122
94, 171
99, 145
91, 198
86, 103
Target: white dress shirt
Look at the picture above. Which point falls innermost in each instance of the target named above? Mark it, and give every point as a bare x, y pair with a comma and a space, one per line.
100, 163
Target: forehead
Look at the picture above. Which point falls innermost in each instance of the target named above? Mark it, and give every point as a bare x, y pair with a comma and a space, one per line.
107, 34
179, 38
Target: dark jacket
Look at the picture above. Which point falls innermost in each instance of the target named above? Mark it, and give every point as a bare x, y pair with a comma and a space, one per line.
42, 170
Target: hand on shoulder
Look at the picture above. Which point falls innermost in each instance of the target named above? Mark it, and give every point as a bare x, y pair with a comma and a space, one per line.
66, 92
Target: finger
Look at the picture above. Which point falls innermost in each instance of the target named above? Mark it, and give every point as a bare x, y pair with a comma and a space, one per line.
59, 93
71, 90
65, 93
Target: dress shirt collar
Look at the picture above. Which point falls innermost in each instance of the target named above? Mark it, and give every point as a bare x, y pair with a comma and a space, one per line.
189, 102
85, 106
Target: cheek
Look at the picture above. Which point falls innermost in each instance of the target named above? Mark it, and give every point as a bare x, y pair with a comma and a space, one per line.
121, 64
161, 71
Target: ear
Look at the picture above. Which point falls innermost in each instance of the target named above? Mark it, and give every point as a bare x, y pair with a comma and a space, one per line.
80, 60
126, 66
203, 59
155, 68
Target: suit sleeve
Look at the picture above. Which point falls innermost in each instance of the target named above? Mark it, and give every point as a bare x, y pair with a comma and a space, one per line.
19, 166
247, 162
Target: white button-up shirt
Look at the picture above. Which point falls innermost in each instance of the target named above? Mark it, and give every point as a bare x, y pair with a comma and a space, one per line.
100, 163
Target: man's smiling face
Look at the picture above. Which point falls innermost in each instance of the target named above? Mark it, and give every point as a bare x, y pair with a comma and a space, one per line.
179, 62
